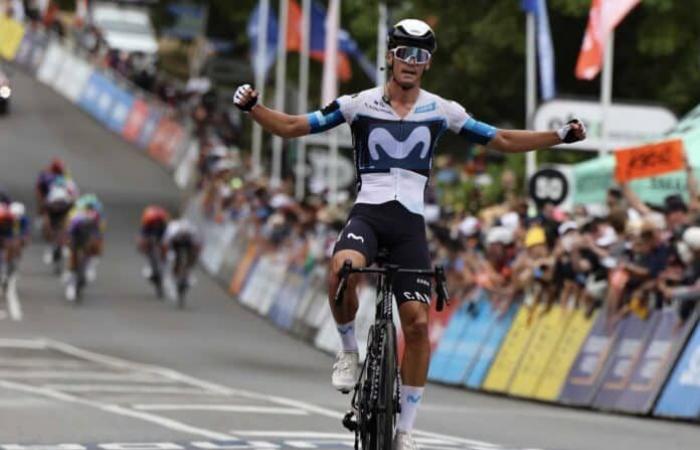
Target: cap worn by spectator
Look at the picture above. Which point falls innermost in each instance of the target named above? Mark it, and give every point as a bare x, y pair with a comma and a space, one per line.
469, 226
606, 238
567, 226
510, 220
499, 235
691, 238
535, 236
674, 203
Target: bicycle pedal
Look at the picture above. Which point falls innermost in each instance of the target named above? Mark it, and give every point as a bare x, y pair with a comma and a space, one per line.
349, 421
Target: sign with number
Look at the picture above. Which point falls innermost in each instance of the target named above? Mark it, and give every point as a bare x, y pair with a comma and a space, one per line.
549, 185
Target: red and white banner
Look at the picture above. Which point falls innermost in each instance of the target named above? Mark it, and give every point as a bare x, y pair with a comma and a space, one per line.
135, 121
604, 16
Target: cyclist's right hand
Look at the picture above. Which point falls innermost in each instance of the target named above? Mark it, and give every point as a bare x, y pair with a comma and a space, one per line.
245, 97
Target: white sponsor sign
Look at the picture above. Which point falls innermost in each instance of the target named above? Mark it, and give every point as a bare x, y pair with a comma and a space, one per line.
628, 125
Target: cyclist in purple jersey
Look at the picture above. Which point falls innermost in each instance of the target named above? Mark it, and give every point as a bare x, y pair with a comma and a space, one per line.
395, 130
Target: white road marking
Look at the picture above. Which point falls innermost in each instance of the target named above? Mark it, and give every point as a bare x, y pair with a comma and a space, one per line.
126, 388
293, 434
223, 390
223, 408
43, 363
82, 375
35, 344
116, 409
13, 304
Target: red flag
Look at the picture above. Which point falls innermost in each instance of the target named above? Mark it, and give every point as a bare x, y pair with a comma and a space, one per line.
604, 16
294, 43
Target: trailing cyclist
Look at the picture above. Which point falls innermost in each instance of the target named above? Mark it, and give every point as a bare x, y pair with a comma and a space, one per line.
395, 129
7, 236
82, 231
154, 222
44, 181
60, 199
182, 246
90, 202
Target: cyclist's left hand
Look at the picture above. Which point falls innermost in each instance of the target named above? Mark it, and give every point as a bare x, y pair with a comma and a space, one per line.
573, 131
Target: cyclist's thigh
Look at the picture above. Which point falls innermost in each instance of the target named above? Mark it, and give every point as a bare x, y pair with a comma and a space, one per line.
412, 253
357, 236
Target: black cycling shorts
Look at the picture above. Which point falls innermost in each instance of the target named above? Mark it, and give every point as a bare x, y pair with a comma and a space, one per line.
390, 225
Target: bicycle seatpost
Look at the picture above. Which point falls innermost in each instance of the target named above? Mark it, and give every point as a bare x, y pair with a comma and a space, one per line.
343, 274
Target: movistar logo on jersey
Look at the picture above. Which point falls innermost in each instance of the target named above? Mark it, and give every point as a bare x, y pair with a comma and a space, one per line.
426, 108
380, 139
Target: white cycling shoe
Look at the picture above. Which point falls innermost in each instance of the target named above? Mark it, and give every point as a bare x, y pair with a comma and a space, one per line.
404, 441
345, 369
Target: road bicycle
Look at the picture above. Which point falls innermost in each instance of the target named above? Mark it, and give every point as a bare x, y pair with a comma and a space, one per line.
375, 401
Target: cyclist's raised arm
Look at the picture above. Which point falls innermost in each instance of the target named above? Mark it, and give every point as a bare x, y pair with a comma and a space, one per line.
510, 141
286, 125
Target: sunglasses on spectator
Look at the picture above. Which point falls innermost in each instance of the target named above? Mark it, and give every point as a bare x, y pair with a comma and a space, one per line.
411, 55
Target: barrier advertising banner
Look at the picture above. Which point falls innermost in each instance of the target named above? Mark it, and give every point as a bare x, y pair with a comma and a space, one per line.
681, 396
512, 350
442, 356
554, 375
96, 98
122, 102
72, 77
51, 63
629, 348
469, 344
583, 379
656, 362
11, 34
544, 341
149, 126
490, 347
134, 122
23, 57
165, 142
243, 269
286, 301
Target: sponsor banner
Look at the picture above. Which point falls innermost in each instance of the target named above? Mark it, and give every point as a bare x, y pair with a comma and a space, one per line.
243, 269
287, 298
473, 336
544, 341
649, 160
166, 140
508, 358
629, 348
38, 49
135, 121
304, 305
489, 348
681, 396
656, 362
23, 57
554, 375
150, 125
255, 281
583, 379
96, 98
218, 239
122, 103
271, 283
441, 358
186, 171
11, 34
51, 64
72, 77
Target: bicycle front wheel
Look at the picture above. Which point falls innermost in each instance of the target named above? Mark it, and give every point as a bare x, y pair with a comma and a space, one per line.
385, 408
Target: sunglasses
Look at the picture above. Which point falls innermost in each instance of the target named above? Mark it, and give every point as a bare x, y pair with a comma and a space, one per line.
411, 55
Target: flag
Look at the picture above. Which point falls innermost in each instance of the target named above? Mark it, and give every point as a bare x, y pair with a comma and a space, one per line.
329, 86
317, 41
81, 12
271, 41
545, 50
603, 17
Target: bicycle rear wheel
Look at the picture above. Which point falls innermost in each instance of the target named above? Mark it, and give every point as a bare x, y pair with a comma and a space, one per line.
381, 426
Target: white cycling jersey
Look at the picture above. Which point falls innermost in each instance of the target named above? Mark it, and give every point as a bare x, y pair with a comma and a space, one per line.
393, 155
178, 228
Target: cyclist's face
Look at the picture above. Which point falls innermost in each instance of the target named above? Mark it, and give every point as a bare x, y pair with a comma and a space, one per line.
407, 75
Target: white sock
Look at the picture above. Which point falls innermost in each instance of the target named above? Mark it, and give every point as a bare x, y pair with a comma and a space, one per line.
411, 397
347, 336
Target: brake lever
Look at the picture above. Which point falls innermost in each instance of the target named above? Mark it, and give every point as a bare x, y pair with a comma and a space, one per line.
443, 297
344, 272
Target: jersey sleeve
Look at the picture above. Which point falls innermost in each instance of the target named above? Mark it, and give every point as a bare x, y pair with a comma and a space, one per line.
335, 113
460, 122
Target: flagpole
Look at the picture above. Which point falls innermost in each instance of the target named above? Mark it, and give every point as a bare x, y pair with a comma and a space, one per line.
260, 84
300, 186
280, 88
330, 91
381, 44
530, 91
606, 92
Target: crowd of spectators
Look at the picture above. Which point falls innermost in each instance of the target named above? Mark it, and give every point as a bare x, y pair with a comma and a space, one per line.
626, 256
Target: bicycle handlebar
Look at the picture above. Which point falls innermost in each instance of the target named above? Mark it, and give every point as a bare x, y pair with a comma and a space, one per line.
438, 274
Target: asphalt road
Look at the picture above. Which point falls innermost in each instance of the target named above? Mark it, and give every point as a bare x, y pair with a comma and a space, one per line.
126, 368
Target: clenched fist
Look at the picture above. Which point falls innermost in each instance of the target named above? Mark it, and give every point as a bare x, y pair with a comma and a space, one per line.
573, 131
245, 97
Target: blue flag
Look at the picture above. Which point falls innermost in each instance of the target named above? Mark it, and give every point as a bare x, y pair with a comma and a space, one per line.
272, 30
545, 49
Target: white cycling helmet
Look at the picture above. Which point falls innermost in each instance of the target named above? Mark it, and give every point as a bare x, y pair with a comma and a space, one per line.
17, 209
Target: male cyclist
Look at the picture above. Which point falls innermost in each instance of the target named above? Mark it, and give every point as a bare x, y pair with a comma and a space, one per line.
154, 222
7, 236
90, 202
181, 239
395, 129
59, 201
82, 230
44, 180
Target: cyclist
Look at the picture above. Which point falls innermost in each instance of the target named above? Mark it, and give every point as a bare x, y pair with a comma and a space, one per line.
395, 128
21, 231
181, 236
154, 221
59, 201
81, 231
7, 234
45, 179
90, 202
